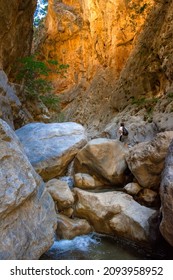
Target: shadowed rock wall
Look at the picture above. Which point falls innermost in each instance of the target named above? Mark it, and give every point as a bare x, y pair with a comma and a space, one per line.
16, 21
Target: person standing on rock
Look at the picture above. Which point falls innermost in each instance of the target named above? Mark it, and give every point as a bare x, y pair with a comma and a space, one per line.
123, 133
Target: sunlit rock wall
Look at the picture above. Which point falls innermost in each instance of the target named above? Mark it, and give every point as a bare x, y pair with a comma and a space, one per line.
149, 71
91, 35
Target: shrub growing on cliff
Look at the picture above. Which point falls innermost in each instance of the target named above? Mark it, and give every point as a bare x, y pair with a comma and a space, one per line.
34, 76
148, 104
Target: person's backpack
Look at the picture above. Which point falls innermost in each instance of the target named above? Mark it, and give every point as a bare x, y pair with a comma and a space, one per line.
125, 131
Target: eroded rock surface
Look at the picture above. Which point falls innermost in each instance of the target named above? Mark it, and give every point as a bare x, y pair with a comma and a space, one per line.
11, 109
166, 194
114, 213
103, 158
146, 160
51, 147
86, 181
61, 193
70, 228
27, 215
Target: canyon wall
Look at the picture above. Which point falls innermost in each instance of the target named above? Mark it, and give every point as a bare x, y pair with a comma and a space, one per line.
149, 71
91, 35
118, 52
95, 38
16, 30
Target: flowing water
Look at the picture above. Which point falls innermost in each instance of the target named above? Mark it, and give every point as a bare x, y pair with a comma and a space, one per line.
100, 247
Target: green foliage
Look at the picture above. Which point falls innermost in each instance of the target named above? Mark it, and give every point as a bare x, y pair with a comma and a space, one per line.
34, 76
139, 101
148, 104
144, 101
170, 95
50, 100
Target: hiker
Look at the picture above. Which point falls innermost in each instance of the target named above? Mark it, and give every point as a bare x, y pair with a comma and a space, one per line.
123, 133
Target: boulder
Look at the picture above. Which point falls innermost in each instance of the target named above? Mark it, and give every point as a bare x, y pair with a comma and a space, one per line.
166, 195
70, 228
60, 193
148, 198
132, 188
114, 213
86, 181
146, 160
104, 159
51, 147
67, 212
27, 215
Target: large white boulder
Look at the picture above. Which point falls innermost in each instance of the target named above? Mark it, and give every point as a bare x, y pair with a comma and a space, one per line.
27, 215
51, 147
114, 213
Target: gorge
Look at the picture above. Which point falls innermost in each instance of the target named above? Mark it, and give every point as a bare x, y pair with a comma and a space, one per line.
119, 57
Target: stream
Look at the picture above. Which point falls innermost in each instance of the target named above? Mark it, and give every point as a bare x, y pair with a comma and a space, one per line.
100, 247
95, 246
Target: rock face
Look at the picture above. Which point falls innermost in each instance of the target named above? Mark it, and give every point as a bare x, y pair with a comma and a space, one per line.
51, 147
95, 38
16, 30
132, 188
150, 68
27, 215
103, 158
149, 65
61, 193
89, 35
70, 228
146, 160
11, 109
139, 130
114, 213
86, 181
166, 194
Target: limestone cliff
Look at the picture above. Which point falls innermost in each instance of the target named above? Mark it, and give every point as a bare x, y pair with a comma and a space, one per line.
90, 35
95, 38
115, 60
148, 72
16, 30
148, 75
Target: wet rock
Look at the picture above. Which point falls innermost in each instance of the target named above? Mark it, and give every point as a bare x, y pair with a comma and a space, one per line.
51, 147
